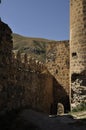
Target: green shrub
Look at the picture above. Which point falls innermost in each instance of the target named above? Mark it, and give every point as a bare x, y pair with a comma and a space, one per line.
80, 107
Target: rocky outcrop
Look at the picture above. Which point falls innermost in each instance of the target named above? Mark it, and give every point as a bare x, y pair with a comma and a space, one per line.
78, 93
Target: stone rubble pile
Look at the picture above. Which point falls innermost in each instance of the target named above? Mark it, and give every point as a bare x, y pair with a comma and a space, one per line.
78, 93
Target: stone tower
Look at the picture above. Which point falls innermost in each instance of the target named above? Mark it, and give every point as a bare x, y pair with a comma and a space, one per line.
78, 51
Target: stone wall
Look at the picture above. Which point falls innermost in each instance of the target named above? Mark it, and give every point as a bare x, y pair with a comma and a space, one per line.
57, 62
5, 43
21, 85
78, 50
23, 81
27, 82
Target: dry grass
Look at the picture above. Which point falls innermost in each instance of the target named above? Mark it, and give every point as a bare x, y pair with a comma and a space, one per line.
34, 47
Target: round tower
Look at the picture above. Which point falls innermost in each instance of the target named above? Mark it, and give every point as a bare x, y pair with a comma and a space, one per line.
77, 48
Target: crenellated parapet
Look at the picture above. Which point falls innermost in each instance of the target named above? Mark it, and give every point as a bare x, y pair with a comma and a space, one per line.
25, 62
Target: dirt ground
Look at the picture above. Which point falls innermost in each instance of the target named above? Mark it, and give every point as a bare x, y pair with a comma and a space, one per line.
44, 122
31, 120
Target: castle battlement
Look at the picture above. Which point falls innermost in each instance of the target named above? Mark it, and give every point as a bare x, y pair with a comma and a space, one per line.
25, 62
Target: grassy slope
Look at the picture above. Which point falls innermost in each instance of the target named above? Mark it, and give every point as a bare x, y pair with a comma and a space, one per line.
34, 47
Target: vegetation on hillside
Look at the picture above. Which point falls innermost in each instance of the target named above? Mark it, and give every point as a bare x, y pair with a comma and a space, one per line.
34, 47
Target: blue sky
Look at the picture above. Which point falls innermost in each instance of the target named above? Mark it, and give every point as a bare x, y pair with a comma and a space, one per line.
37, 18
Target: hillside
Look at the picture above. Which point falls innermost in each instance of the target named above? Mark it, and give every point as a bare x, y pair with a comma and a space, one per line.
34, 47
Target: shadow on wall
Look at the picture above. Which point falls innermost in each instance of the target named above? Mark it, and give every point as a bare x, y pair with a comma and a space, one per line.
59, 96
81, 76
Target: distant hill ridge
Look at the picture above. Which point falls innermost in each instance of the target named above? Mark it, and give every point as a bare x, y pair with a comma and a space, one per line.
34, 47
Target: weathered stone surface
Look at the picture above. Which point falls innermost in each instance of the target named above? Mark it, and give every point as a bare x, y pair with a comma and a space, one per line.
78, 50
23, 80
57, 61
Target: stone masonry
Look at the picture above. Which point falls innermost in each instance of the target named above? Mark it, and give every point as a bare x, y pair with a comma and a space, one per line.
62, 80
78, 51
25, 81
57, 61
